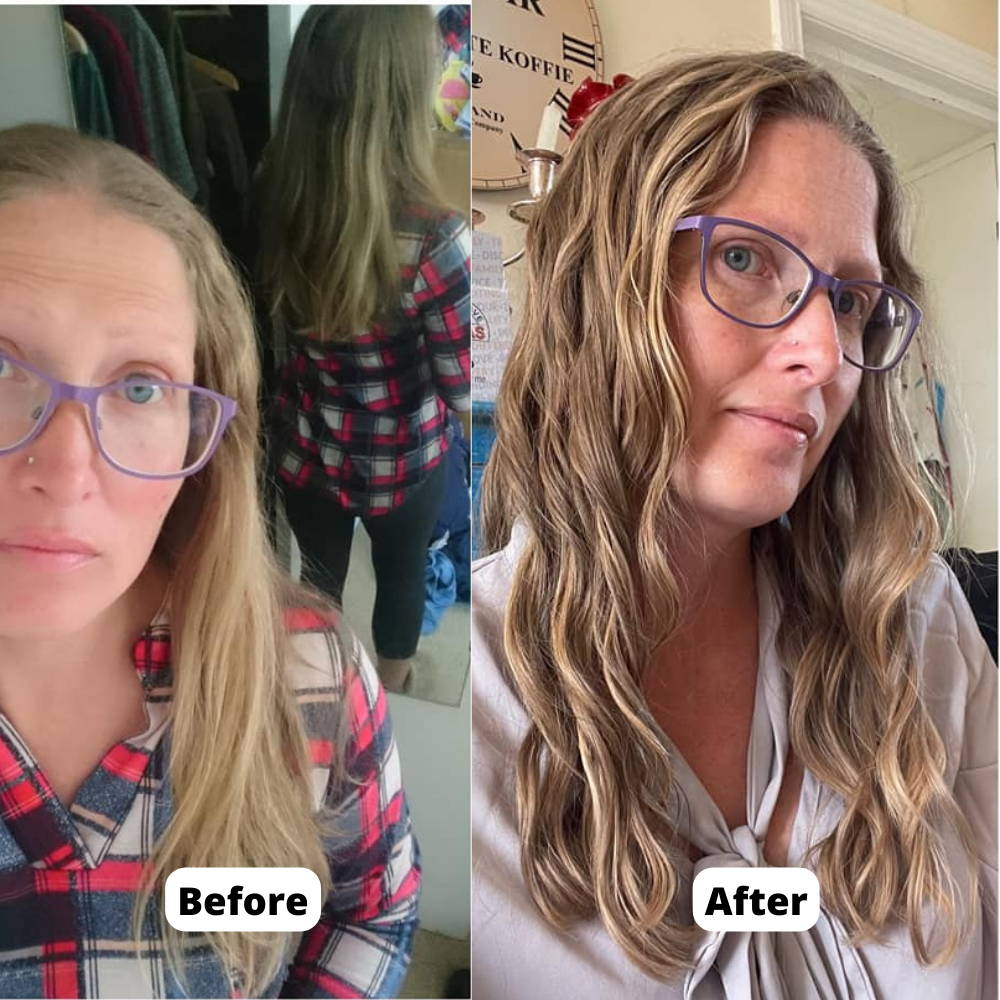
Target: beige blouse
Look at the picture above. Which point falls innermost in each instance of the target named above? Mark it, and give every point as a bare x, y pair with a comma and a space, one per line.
516, 954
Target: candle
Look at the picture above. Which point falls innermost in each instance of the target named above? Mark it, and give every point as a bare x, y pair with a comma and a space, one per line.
548, 130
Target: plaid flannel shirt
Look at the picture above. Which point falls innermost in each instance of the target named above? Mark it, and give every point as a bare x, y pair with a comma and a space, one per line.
68, 876
366, 420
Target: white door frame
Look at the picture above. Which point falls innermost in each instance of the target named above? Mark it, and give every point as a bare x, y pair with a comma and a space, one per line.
928, 65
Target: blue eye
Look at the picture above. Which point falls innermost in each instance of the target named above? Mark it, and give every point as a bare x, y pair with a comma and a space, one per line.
846, 303
739, 258
142, 392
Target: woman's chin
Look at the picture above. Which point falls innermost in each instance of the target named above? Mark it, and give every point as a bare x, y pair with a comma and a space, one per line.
737, 515
48, 616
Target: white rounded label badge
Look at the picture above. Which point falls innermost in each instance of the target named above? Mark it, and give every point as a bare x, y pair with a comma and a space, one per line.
755, 899
242, 899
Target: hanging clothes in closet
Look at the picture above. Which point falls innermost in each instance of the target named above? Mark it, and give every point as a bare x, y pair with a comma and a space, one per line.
159, 105
117, 74
227, 64
90, 101
229, 192
135, 80
165, 26
144, 98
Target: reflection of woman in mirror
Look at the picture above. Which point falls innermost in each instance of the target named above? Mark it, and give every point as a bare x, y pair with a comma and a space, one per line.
713, 631
169, 697
371, 277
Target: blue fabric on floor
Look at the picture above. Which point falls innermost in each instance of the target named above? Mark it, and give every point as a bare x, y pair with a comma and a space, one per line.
453, 525
439, 580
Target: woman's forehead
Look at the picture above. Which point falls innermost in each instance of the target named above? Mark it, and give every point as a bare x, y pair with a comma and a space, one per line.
805, 182
74, 270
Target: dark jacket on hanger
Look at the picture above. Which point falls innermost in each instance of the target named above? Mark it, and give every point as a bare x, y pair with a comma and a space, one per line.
159, 106
117, 72
93, 116
163, 23
230, 184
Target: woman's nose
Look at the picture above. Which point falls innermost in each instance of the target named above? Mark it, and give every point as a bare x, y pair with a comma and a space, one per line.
810, 341
64, 456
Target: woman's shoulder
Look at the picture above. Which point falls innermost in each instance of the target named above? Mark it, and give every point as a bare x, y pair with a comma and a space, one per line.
956, 670
430, 218
940, 611
426, 230
335, 685
493, 576
317, 645
499, 720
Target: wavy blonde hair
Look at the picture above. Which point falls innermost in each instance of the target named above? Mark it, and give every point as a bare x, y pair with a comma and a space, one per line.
239, 766
352, 144
592, 417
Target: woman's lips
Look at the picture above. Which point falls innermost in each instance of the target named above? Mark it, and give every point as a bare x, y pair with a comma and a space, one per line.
47, 551
778, 429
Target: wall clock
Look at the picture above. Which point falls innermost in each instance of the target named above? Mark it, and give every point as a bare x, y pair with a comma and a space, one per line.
525, 53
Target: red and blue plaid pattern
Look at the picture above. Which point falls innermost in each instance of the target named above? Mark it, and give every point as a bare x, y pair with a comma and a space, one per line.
69, 876
366, 420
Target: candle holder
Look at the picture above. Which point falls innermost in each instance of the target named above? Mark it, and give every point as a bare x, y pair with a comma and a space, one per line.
541, 166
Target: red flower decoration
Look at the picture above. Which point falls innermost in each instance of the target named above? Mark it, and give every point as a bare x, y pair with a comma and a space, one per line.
588, 95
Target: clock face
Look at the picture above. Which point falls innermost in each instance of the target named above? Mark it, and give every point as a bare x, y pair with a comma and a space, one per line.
525, 53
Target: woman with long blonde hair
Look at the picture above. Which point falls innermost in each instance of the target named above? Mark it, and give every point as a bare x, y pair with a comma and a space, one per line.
369, 275
169, 697
713, 631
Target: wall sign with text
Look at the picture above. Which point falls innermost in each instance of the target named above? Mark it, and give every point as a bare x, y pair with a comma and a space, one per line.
525, 53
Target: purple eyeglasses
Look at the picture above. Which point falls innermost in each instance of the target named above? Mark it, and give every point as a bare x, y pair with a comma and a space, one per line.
760, 279
143, 426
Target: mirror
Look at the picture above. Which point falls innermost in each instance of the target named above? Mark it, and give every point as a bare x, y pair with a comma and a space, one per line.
377, 549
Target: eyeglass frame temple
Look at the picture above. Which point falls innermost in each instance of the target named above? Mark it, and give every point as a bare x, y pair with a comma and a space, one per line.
88, 395
706, 224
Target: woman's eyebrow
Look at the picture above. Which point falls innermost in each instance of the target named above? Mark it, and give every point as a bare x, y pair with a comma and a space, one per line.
860, 267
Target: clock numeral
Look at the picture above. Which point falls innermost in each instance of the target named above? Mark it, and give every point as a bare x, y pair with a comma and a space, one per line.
578, 51
561, 100
531, 5
517, 149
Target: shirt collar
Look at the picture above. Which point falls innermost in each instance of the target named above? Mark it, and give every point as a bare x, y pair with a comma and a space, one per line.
151, 656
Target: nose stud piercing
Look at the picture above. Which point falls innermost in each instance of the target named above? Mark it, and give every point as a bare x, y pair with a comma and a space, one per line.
31, 460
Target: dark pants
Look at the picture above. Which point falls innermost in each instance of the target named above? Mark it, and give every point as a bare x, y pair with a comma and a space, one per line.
325, 532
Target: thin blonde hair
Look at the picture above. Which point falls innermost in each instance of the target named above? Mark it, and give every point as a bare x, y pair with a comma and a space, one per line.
239, 767
351, 146
592, 418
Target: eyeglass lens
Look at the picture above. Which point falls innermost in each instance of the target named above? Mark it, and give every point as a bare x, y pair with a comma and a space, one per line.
758, 280
143, 426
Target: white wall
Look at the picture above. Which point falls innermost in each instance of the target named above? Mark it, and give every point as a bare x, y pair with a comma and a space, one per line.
955, 245
33, 80
434, 751
971, 21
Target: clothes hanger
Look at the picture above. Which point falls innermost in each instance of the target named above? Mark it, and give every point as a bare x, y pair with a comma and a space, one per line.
73, 40
217, 73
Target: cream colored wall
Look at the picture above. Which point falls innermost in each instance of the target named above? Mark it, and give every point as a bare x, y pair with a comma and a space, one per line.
971, 21
34, 86
955, 246
637, 35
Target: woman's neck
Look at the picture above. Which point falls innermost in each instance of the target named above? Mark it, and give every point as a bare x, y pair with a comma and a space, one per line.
36, 666
716, 575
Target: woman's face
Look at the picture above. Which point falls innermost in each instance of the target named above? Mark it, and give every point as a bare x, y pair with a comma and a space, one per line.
745, 466
87, 295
